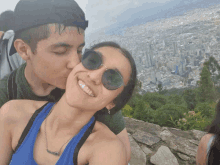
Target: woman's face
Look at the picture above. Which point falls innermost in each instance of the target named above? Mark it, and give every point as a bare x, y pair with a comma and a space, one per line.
94, 96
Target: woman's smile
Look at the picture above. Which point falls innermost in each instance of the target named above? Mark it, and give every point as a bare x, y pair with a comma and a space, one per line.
85, 88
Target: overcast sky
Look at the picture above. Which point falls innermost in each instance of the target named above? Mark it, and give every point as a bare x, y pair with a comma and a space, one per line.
105, 13
100, 13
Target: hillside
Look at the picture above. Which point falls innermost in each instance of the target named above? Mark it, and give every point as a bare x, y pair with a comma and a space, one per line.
171, 51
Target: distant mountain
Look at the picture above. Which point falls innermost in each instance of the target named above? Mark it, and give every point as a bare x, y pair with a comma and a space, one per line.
154, 11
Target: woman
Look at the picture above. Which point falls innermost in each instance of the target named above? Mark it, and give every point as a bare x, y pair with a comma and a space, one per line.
66, 132
209, 146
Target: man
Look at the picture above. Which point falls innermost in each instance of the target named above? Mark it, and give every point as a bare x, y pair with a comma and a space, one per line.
49, 36
6, 20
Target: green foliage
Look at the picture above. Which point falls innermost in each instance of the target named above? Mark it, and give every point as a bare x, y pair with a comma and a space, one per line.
191, 121
134, 99
140, 110
161, 89
206, 109
162, 115
144, 112
155, 100
127, 111
206, 90
176, 99
174, 91
190, 98
155, 104
213, 66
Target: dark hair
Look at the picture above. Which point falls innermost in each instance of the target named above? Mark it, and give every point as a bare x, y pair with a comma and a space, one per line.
6, 20
33, 35
126, 94
214, 128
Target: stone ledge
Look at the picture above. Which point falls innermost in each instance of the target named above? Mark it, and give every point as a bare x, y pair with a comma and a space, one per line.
153, 145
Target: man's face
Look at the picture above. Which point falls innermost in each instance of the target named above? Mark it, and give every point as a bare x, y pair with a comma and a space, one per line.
56, 56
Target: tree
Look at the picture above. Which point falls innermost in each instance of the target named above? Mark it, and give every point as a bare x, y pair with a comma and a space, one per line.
139, 110
138, 86
155, 100
213, 66
176, 99
189, 96
206, 91
206, 109
162, 115
161, 89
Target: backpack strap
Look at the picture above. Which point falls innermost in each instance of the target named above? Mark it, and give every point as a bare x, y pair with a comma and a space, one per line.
5, 50
12, 86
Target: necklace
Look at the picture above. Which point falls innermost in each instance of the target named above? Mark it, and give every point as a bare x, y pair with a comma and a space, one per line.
52, 152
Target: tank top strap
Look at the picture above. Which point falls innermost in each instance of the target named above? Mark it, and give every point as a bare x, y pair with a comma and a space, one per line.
28, 126
24, 151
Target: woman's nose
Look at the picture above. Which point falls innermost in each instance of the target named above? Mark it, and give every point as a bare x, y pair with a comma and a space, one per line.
96, 75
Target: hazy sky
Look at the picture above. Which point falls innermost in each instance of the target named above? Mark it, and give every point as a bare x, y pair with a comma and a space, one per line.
104, 13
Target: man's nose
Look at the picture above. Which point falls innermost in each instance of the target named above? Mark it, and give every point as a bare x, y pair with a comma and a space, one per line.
73, 60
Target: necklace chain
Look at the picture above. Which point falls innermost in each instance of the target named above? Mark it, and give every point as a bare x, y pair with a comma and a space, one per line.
52, 152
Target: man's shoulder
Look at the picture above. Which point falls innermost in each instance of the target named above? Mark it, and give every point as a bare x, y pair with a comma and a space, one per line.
114, 122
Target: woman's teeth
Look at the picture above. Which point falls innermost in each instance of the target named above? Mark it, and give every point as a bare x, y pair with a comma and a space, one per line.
85, 88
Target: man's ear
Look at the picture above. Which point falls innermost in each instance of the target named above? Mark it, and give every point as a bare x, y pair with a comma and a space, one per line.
110, 106
1, 34
23, 49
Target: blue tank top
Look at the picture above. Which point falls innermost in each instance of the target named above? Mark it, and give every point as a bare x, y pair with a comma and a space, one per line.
23, 154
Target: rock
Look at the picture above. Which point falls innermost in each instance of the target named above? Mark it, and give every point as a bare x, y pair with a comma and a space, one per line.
198, 134
178, 143
146, 150
133, 125
138, 157
146, 138
164, 157
183, 157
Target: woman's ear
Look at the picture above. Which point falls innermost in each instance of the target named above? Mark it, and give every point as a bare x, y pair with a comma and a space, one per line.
110, 106
22, 48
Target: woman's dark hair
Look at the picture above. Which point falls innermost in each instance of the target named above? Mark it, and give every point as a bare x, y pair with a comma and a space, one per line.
214, 128
126, 94
6, 20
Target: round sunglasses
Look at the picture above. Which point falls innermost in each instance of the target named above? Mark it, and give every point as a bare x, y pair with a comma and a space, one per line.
111, 78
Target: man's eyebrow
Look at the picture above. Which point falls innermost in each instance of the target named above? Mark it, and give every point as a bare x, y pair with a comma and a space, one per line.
63, 44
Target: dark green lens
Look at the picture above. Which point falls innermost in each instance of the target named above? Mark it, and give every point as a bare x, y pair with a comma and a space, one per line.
91, 60
112, 80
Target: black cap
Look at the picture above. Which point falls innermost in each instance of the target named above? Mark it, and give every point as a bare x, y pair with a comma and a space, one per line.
33, 13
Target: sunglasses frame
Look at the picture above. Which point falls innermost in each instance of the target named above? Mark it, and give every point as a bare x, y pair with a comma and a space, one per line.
100, 55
